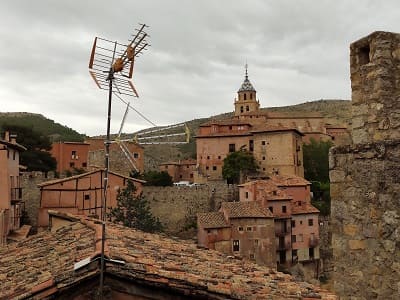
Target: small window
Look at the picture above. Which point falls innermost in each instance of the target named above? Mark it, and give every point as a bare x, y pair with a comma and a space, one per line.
87, 197
135, 155
74, 155
214, 168
187, 167
263, 143
219, 157
72, 164
240, 228
256, 242
293, 239
251, 145
263, 158
191, 175
251, 96
241, 109
247, 195
207, 167
251, 256
166, 167
236, 245
310, 222
232, 148
247, 108
208, 230
244, 96
230, 127
84, 165
301, 222
293, 223
208, 157
300, 238
271, 209
180, 176
283, 208
249, 228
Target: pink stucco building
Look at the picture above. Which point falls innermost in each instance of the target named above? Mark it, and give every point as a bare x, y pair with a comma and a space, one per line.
81, 194
11, 203
296, 220
244, 229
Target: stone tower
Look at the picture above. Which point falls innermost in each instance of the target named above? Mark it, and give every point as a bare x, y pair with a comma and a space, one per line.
246, 101
365, 176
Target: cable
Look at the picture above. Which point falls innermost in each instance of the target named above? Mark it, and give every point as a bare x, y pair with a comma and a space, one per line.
131, 107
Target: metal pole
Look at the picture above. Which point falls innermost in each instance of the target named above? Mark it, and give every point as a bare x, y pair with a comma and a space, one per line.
107, 164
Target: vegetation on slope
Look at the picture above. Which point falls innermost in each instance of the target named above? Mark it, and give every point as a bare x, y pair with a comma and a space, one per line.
38, 123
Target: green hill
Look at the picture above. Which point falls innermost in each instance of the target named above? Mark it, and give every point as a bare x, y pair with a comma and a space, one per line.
55, 131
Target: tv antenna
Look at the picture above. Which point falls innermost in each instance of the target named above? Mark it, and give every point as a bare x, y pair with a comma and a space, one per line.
111, 67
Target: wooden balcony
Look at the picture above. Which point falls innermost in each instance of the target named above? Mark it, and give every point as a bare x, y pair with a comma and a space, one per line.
314, 242
16, 194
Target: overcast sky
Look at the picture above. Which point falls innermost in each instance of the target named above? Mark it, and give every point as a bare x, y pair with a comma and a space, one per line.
296, 51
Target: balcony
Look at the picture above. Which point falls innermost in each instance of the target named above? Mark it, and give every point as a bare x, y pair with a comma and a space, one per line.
16, 194
281, 232
314, 242
284, 246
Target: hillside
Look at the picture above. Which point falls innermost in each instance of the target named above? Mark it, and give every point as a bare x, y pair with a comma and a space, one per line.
37, 122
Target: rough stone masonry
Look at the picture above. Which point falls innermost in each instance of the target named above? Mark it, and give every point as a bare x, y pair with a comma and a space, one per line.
365, 176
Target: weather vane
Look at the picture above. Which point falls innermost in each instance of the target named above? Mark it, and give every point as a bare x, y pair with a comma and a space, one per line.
111, 67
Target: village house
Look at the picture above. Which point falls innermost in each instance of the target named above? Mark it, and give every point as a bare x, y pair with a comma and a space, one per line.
81, 194
11, 202
124, 157
296, 220
182, 170
63, 263
70, 155
244, 229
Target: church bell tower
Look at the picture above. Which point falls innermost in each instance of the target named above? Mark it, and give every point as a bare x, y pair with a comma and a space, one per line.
246, 102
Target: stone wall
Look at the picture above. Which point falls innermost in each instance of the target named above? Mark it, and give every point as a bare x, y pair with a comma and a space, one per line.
176, 207
365, 180
31, 193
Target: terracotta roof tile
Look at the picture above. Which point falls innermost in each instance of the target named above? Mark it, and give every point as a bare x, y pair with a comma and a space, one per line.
304, 208
247, 209
212, 220
45, 261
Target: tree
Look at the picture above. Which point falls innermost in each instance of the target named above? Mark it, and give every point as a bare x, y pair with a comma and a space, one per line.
155, 178
133, 211
36, 157
238, 164
316, 170
316, 160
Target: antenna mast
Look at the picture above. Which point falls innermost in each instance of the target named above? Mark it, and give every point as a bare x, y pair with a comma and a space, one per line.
111, 67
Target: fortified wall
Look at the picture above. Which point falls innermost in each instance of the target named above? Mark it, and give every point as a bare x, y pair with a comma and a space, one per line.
176, 207
365, 180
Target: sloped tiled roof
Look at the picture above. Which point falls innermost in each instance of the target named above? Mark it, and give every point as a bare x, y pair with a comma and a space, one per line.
289, 180
212, 220
45, 262
245, 209
246, 86
50, 182
304, 208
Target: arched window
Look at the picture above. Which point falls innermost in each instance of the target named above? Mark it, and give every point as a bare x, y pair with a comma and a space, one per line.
251, 96
247, 108
241, 109
244, 96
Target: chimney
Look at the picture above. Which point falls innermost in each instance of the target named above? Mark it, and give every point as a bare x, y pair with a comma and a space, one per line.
13, 138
